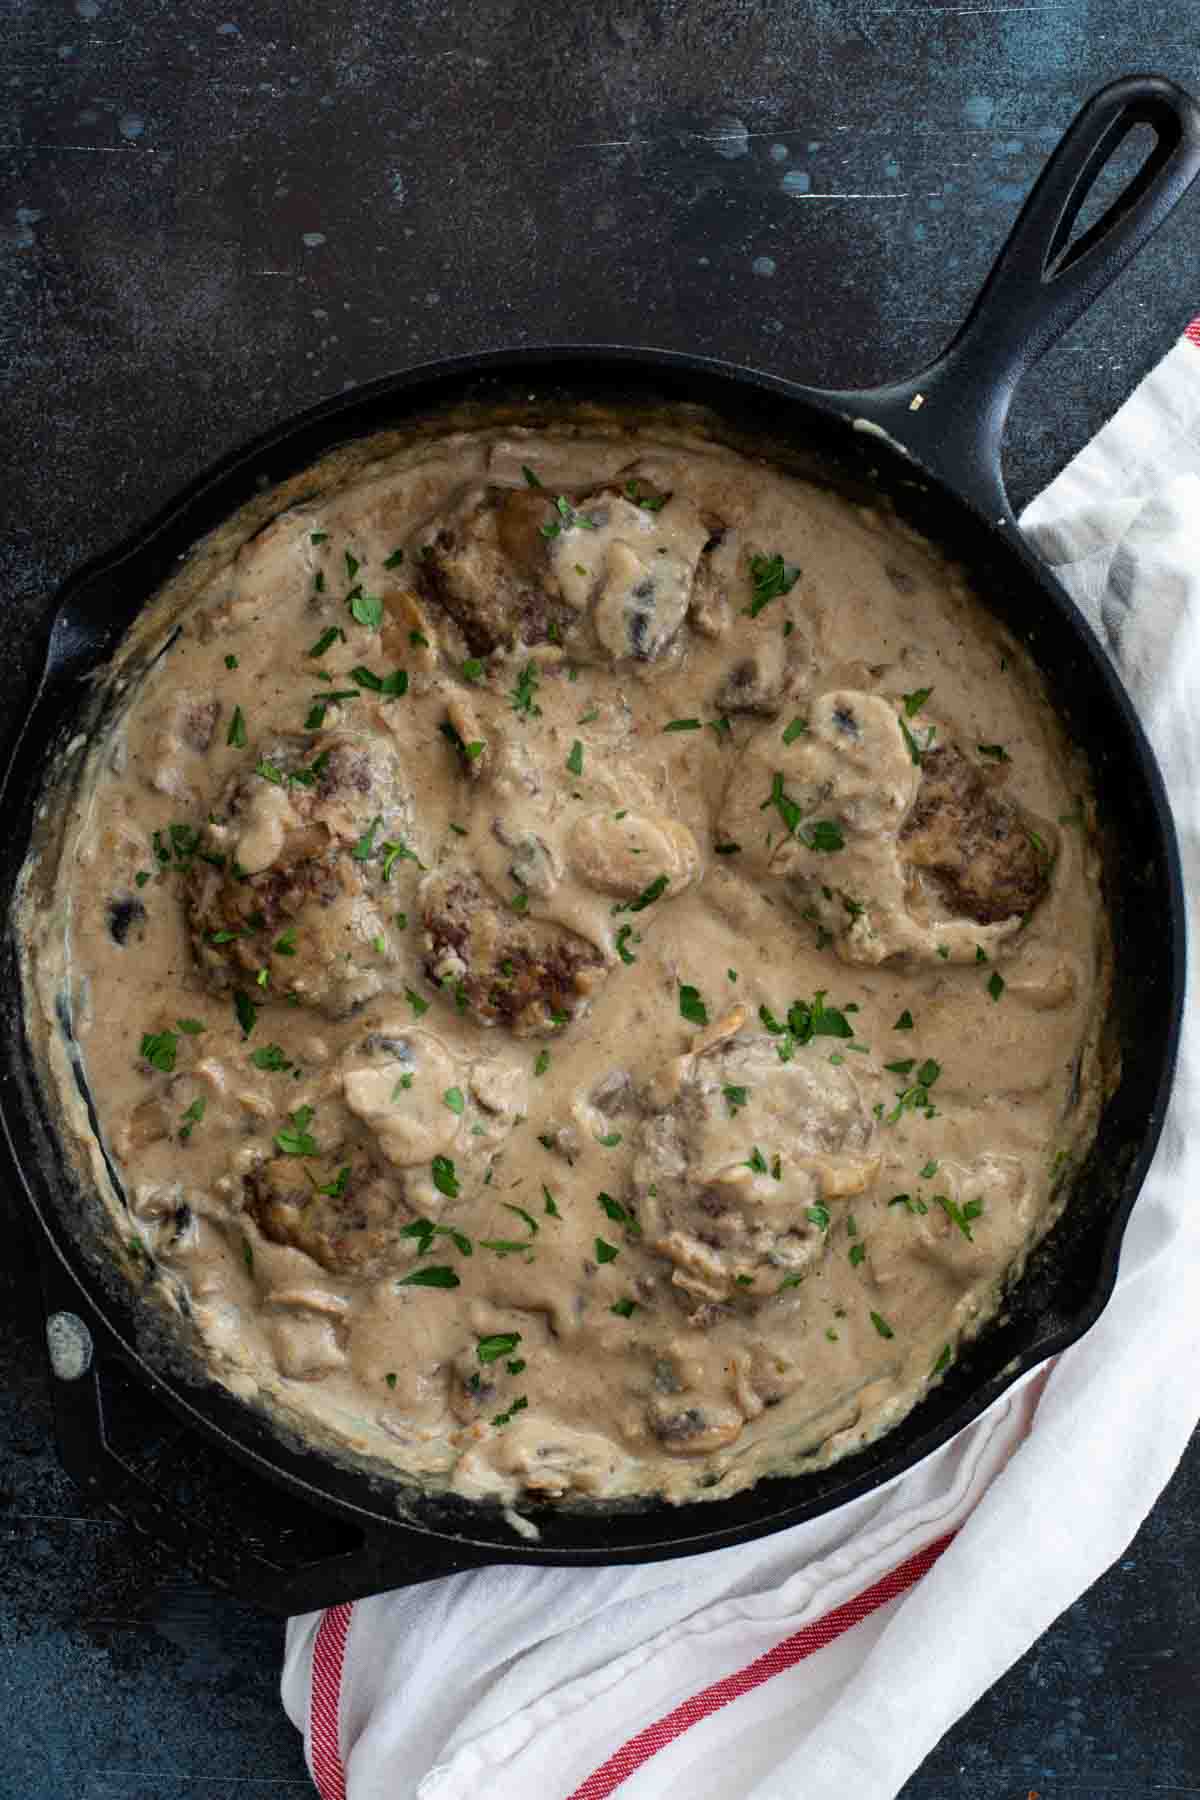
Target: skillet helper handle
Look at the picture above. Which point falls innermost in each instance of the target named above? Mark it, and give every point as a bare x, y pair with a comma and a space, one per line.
951, 416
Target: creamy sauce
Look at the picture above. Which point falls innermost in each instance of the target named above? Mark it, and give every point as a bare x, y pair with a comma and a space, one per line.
616, 985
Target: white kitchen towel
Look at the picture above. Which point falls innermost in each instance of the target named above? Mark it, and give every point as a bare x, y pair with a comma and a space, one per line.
825, 1662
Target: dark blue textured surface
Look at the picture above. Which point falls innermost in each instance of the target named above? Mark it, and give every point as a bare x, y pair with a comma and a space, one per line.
212, 214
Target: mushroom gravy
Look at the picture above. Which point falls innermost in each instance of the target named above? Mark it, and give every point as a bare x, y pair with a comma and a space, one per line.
588, 956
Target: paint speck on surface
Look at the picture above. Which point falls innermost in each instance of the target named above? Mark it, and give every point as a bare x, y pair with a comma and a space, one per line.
326, 101
131, 125
228, 30
796, 181
704, 261
89, 116
65, 52
778, 153
917, 232
1010, 147
27, 218
764, 265
398, 189
891, 167
815, 146
604, 217
87, 9
978, 109
729, 137
433, 298
936, 204
313, 240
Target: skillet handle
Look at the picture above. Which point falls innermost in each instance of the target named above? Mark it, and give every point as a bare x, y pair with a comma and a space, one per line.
951, 416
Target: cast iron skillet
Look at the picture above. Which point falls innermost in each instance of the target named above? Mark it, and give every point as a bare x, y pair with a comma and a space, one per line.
931, 444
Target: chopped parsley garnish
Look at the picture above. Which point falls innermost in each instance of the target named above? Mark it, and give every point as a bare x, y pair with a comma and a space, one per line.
915, 701
917, 751
857, 1254
881, 1325
960, 1215
904, 1022
444, 1179
995, 986
542, 1062
930, 1169
756, 1161
453, 1098
248, 1255
901, 1068
392, 686
472, 670
271, 1058
364, 849
315, 717
567, 517
328, 637
529, 475
908, 1203
401, 1087
424, 1230
521, 697
818, 1216
231, 661
623, 935
619, 1214
734, 1098
720, 728
551, 1209
796, 729
236, 735
822, 834
503, 1247
610, 1140
434, 1275
297, 1141
943, 1361
270, 772
192, 1027
367, 609
352, 565
648, 502
997, 752
916, 1098
655, 891
771, 577
683, 725
394, 560
790, 1281
191, 1117
805, 1021
397, 852
318, 537
500, 1343
142, 877
575, 759
691, 1006
158, 1048
527, 1219
335, 1188
285, 943
624, 1309
517, 1406
391, 1378
606, 1252
247, 1012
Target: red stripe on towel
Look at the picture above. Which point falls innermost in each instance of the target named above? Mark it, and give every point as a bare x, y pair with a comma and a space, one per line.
631, 1756
325, 1702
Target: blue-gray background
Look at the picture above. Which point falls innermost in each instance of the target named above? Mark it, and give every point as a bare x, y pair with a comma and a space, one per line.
213, 212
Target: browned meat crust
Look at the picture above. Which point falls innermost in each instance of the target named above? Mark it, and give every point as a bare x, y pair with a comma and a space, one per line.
970, 844
351, 1232
486, 567
525, 974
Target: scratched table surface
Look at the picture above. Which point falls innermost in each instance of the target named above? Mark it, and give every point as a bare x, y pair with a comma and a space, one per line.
216, 211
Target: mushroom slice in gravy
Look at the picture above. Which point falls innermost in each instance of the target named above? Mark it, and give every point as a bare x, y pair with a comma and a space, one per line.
588, 957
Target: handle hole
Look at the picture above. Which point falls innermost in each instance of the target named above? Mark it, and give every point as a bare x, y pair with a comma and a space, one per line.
1119, 170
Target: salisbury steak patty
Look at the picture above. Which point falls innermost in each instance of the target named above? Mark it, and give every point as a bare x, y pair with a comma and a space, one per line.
484, 564
343, 1212
504, 969
970, 844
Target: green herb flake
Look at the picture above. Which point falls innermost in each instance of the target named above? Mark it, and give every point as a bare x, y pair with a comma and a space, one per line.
327, 638
444, 1178
551, 1207
231, 661
271, 1058
881, 1325
623, 936
191, 1117
453, 1098
472, 670
915, 701
367, 610
654, 891
500, 1343
857, 1253
575, 759
236, 735
683, 725
771, 577
943, 1361
433, 1275
796, 729
610, 1140
246, 1011
364, 848
818, 1216
505, 1418
995, 986
691, 1006
390, 1378
822, 834
904, 1022
996, 752
929, 1170
530, 477
624, 1309
285, 943
394, 560
735, 1097
297, 1141
606, 1252
521, 697
542, 1062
